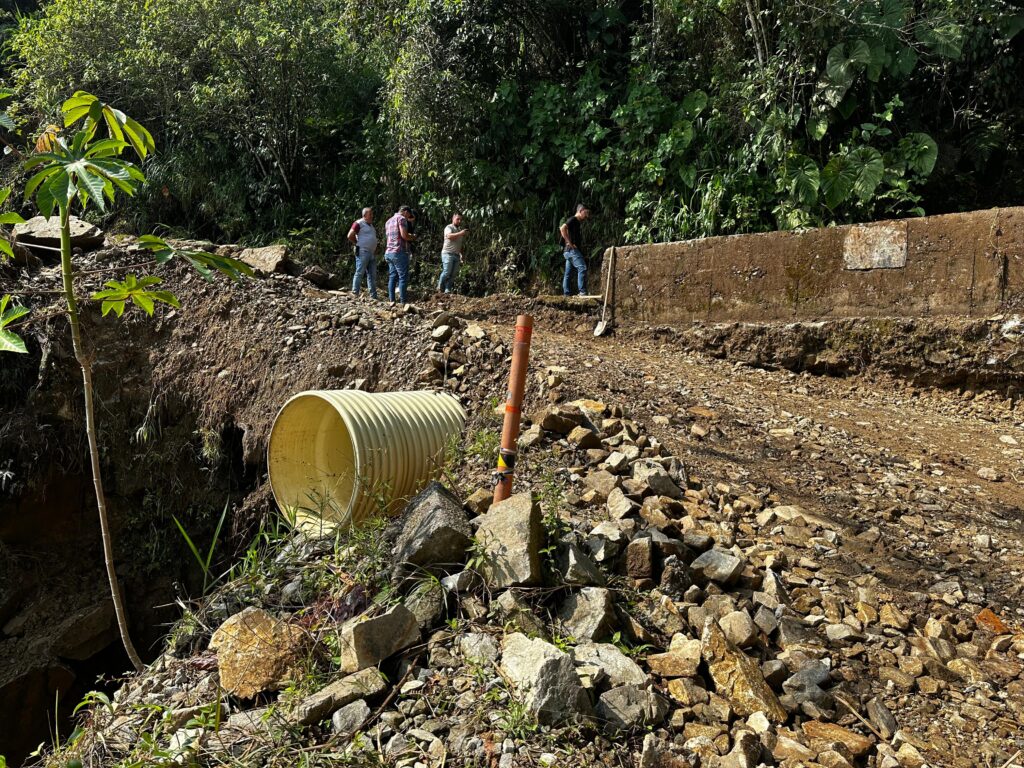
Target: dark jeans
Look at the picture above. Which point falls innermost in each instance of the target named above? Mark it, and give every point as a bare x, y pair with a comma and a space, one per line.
574, 260
398, 274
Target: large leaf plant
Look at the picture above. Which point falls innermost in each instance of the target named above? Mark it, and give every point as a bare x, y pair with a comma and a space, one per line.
82, 167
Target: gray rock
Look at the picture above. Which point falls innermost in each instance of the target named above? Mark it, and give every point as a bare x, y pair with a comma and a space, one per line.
718, 565
479, 648
675, 578
435, 531
315, 707
653, 477
882, 718
588, 614
577, 568
511, 537
629, 706
350, 718
427, 602
804, 687
365, 642
42, 231
739, 628
512, 609
545, 677
463, 581
619, 668
606, 541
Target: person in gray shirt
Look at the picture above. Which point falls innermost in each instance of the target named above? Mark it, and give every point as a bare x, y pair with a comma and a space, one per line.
451, 253
363, 236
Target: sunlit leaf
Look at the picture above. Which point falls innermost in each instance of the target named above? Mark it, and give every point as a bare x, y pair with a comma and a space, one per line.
9, 340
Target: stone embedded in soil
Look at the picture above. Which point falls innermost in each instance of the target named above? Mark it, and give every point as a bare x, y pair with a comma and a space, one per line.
588, 614
272, 258
821, 735
737, 677
43, 231
350, 718
255, 652
365, 642
361, 685
545, 677
480, 501
881, 718
511, 535
434, 531
479, 648
718, 565
630, 706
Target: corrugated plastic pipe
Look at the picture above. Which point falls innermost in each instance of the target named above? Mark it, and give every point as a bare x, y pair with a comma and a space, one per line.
340, 456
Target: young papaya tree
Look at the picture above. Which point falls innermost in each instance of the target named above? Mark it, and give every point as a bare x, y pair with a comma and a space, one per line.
74, 171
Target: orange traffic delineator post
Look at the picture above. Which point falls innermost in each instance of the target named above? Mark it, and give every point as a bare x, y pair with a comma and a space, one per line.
513, 409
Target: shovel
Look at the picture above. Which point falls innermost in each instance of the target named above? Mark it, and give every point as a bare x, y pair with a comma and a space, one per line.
602, 327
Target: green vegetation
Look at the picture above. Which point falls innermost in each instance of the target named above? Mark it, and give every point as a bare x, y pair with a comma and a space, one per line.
674, 119
80, 168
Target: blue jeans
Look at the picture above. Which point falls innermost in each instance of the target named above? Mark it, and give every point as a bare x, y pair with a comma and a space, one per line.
449, 269
398, 273
574, 260
366, 264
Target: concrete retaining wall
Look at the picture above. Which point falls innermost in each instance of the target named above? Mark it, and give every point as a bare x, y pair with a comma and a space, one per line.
957, 264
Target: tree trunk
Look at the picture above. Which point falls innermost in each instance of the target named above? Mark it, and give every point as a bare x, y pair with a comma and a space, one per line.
90, 430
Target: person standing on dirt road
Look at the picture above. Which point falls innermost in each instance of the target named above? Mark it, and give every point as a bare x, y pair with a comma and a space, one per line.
396, 252
451, 253
572, 238
363, 237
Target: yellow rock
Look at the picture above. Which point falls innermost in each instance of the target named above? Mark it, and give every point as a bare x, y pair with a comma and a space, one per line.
255, 652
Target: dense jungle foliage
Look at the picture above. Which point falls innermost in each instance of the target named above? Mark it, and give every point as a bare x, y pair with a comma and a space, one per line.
674, 119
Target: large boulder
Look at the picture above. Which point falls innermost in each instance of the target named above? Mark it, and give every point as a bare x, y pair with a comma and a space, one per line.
272, 258
511, 536
738, 677
545, 677
256, 652
365, 642
434, 532
42, 231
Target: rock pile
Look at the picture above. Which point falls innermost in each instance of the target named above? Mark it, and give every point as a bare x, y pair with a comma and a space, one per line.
621, 611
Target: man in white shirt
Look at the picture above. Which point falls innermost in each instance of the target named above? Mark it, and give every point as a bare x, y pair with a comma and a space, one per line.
364, 237
451, 253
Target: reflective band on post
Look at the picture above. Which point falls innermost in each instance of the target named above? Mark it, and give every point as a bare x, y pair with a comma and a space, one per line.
512, 409
507, 459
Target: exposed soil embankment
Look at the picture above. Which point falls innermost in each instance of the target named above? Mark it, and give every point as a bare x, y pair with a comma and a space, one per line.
186, 401
983, 354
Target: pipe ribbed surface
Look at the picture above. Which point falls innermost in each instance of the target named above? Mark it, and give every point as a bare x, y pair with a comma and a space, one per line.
339, 456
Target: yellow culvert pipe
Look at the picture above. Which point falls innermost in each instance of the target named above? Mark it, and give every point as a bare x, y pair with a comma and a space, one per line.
339, 456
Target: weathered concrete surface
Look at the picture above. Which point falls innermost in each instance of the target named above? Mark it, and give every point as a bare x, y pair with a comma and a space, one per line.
956, 264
